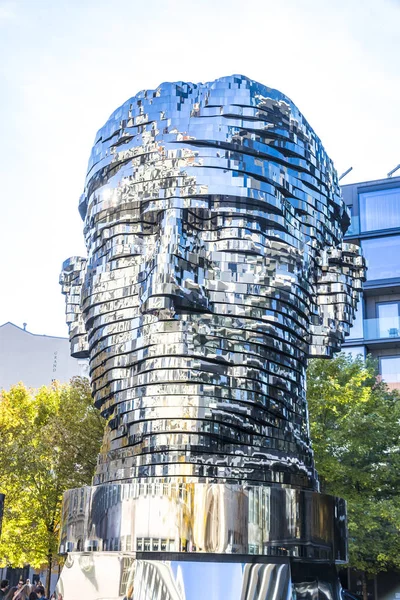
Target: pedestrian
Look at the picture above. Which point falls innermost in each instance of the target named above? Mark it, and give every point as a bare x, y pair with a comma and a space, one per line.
11, 593
3, 588
33, 596
23, 592
40, 592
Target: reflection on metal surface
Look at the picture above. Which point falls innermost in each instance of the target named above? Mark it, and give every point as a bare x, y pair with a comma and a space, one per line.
204, 518
215, 267
117, 575
88, 576
214, 225
315, 581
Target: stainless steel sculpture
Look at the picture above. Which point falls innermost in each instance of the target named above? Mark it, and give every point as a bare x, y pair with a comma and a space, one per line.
215, 268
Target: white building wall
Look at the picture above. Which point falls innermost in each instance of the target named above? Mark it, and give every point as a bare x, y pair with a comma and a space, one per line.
35, 360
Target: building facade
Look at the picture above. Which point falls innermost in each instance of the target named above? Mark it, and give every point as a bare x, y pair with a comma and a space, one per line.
375, 225
35, 360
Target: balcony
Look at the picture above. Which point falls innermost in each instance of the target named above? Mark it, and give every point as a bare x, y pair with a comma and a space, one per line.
387, 328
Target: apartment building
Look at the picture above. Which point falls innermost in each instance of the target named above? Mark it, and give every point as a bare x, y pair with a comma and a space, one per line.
375, 225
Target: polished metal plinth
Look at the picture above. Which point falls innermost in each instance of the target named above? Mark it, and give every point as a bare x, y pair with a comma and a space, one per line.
204, 518
202, 540
147, 576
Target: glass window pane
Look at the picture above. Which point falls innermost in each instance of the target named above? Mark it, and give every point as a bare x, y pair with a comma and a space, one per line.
390, 368
383, 257
380, 210
356, 331
355, 351
388, 318
388, 310
354, 226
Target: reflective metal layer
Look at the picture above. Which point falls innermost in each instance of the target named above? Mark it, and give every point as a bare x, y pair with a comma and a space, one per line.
115, 575
204, 518
215, 266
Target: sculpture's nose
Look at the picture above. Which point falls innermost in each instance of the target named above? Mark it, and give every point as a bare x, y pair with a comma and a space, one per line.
173, 276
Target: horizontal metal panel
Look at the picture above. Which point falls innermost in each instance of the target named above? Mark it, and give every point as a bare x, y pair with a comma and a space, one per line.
204, 518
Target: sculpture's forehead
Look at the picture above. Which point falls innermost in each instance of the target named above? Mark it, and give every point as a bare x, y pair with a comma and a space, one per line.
234, 96
180, 97
228, 136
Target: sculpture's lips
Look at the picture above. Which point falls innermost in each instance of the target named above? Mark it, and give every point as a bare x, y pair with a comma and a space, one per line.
255, 383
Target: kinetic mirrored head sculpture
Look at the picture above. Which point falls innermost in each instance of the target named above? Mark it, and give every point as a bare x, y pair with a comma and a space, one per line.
214, 224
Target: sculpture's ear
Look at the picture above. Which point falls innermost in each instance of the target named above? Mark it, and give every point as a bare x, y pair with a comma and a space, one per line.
340, 273
71, 279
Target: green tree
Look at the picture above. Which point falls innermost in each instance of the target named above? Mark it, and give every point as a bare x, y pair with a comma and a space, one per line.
49, 443
354, 421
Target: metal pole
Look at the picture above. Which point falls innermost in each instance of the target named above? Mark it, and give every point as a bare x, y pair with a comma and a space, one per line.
376, 587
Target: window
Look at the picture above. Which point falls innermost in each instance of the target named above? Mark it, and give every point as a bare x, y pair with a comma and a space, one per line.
357, 331
390, 368
380, 210
354, 351
383, 257
388, 319
354, 222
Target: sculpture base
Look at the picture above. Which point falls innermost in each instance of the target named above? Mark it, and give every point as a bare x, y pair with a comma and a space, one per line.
164, 576
204, 518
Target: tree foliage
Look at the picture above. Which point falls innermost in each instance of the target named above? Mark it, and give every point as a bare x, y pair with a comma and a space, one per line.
354, 420
49, 443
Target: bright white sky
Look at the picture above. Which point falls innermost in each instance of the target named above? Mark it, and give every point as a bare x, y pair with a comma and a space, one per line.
65, 65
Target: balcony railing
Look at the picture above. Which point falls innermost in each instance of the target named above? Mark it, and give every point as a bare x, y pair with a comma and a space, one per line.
385, 328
